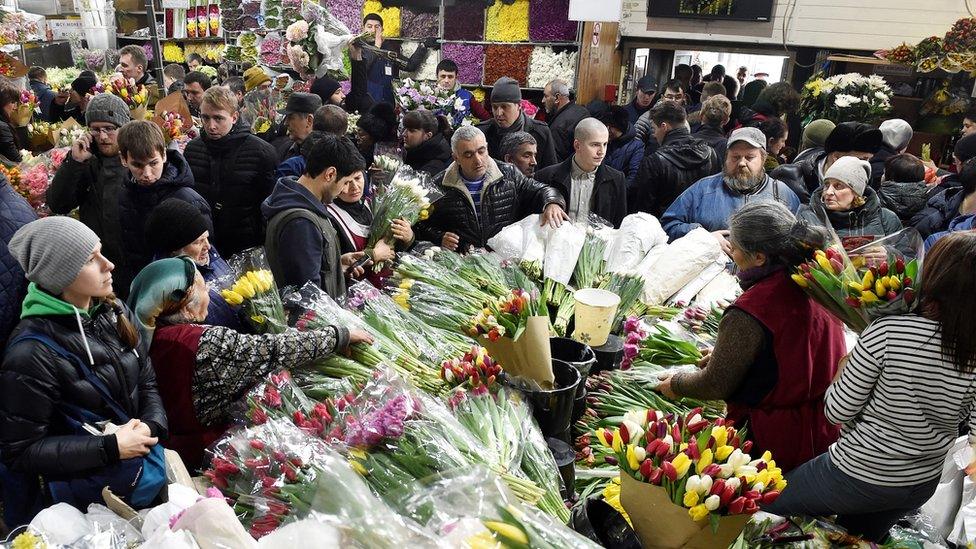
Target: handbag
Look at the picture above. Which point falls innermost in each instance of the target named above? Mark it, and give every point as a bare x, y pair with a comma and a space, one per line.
137, 480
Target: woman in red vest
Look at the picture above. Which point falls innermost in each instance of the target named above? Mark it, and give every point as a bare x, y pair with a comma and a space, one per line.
201, 370
777, 350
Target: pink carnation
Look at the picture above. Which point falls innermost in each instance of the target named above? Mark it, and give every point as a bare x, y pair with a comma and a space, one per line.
297, 31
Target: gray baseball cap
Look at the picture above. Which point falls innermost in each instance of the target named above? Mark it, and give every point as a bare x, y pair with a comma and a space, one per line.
752, 136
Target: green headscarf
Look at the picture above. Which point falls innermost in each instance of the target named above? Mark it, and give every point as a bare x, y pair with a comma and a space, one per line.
161, 281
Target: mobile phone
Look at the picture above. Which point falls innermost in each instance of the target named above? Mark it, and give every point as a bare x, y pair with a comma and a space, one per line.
367, 257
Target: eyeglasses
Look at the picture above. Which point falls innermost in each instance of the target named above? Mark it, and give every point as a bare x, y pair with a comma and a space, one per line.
106, 131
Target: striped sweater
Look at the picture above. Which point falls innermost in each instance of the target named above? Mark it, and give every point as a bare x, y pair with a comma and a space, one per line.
900, 403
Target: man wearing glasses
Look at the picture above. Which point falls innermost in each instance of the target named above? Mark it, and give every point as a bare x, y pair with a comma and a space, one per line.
91, 175
674, 91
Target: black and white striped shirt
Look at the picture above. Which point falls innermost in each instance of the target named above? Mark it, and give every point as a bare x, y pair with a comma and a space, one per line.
900, 403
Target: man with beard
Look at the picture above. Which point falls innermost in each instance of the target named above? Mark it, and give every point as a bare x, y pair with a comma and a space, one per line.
710, 201
519, 149
233, 170
194, 86
91, 177
508, 117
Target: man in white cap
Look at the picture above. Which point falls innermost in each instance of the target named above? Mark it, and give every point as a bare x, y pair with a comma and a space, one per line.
895, 136
710, 201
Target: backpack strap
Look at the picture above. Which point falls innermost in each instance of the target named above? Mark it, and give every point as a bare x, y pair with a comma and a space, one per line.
83, 370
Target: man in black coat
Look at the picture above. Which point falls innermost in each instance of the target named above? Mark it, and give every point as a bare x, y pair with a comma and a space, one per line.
846, 139
233, 171
506, 109
585, 183
674, 166
482, 196
563, 116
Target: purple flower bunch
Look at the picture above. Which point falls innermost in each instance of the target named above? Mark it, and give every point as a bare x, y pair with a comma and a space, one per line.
361, 296
149, 51
378, 425
470, 59
350, 12
634, 333
467, 19
418, 24
549, 21
95, 60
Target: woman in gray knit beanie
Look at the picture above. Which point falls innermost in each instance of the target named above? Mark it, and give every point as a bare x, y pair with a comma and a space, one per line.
70, 304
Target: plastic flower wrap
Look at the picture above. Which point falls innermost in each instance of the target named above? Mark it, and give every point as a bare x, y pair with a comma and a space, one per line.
135, 96
703, 465
412, 95
17, 27
391, 17
546, 65
858, 294
260, 109
428, 69
845, 97
508, 22
253, 289
67, 133
656, 346
316, 309
549, 21
470, 59
407, 196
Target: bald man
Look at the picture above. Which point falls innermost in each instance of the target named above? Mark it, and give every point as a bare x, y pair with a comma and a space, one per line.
586, 184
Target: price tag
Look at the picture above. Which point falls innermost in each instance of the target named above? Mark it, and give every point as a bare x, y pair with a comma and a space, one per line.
388, 70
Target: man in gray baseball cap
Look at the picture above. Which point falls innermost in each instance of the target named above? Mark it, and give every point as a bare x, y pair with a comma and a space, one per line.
710, 201
92, 175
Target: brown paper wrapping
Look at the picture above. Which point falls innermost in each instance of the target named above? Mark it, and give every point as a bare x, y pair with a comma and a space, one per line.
663, 525
56, 130
138, 113
528, 356
173, 102
22, 115
17, 68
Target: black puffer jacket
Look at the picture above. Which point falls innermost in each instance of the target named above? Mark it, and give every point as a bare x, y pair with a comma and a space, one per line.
546, 155
801, 177
34, 380
867, 220
563, 125
234, 174
136, 201
507, 197
905, 199
432, 156
668, 171
93, 187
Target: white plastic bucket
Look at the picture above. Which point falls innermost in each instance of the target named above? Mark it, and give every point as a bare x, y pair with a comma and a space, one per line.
595, 310
98, 37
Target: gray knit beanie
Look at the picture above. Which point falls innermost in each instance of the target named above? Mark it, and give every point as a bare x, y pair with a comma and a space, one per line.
106, 107
53, 250
850, 170
506, 90
896, 133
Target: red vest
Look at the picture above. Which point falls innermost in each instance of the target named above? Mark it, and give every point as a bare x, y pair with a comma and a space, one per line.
174, 358
808, 345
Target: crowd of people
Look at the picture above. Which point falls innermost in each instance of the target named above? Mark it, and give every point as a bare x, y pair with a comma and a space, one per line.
112, 314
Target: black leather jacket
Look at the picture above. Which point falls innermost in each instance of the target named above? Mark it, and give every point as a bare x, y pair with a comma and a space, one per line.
507, 197
34, 380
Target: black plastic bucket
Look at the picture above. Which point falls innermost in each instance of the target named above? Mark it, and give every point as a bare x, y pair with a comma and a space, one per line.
553, 410
609, 355
579, 355
596, 520
565, 457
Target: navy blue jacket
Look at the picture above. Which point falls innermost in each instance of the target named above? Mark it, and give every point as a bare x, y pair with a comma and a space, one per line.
45, 96
940, 210
15, 212
625, 154
300, 243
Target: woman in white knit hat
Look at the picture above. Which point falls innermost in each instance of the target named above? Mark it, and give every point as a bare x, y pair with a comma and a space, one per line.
846, 203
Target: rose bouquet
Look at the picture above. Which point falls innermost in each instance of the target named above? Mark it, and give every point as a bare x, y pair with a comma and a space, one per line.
857, 296
407, 196
845, 97
679, 470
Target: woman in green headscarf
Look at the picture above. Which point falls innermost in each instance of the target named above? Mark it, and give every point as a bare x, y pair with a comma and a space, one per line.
202, 369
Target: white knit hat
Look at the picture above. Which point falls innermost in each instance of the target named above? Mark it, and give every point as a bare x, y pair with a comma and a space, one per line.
896, 133
852, 171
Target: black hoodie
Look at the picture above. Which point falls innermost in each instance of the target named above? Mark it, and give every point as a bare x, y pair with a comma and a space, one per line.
136, 201
234, 174
665, 173
431, 156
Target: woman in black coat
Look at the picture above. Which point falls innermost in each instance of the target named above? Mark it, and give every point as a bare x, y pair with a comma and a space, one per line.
426, 142
70, 304
9, 143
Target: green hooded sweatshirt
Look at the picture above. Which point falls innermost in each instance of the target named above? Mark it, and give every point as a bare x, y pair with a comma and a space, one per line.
40, 303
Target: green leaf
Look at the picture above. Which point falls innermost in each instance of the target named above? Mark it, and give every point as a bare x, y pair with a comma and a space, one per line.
714, 519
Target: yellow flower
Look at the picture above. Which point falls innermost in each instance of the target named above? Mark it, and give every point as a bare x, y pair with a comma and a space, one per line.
723, 452
507, 532
358, 467
423, 215
402, 299
767, 456
391, 17
256, 281
406, 284
698, 512
780, 485
482, 540
480, 94
618, 442
691, 499
632, 458
232, 297
28, 540
508, 22
244, 287
681, 463
721, 434
705, 460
